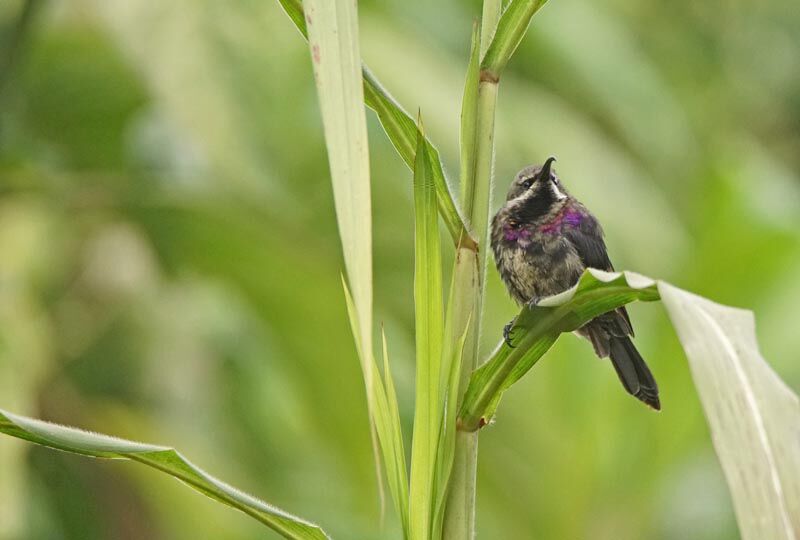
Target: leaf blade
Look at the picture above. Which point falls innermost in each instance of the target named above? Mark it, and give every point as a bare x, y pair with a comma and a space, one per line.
510, 30
401, 129
469, 122
429, 340
754, 418
536, 329
162, 458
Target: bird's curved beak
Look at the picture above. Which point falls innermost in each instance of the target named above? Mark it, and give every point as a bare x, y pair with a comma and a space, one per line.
544, 174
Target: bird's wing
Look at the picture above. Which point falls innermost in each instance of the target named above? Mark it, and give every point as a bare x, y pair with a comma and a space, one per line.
587, 239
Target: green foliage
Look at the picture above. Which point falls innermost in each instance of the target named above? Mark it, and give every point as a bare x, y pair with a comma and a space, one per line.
333, 42
401, 130
535, 330
386, 417
429, 331
511, 28
170, 233
162, 459
753, 416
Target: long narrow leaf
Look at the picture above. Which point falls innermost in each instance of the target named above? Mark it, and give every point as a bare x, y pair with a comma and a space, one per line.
469, 122
402, 132
333, 40
447, 432
753, 416
386, 418
510, 30
398, 475
429, 336
162, 458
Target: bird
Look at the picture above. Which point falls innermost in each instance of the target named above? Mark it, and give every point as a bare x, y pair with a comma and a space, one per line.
543, 239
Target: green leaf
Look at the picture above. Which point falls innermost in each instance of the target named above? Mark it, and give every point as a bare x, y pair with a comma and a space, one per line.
386, 419
536, 329
389, 420
510, 30
402, 131
469, 122
447, 429
332, 30
333, 41
429, 337
753, 416
162, 458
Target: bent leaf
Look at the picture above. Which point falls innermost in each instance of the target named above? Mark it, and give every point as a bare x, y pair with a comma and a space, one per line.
753, 416
536, 329
164, 459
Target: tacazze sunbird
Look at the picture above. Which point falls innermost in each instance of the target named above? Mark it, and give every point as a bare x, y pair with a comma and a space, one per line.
543, 239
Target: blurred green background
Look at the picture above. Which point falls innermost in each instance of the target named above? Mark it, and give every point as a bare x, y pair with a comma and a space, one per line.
169, 260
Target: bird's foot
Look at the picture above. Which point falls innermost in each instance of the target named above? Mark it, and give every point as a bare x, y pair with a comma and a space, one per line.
534, 301
507, 333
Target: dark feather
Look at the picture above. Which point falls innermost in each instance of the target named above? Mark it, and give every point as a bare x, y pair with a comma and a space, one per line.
633, 372
588, 241
535, 207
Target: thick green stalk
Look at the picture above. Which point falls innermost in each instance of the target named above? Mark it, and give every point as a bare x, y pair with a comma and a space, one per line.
468, 274
501, 34
460, 519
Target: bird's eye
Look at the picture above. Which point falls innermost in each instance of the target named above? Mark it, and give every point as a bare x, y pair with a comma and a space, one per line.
527, 183
553, 178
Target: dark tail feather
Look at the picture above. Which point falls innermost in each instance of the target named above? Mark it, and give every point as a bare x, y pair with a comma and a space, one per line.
633, 372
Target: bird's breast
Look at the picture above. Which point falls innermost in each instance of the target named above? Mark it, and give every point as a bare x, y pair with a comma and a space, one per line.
537, 265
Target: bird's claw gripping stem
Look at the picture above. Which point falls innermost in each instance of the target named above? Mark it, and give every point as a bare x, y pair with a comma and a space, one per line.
507, 333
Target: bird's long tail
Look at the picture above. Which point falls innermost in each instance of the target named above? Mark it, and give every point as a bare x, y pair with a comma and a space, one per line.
633, 371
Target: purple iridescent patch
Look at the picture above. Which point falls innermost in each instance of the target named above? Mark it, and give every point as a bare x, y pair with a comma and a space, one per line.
571, 218
512, 235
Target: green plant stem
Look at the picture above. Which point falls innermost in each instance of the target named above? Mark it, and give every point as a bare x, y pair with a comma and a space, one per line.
459, 520
469, 272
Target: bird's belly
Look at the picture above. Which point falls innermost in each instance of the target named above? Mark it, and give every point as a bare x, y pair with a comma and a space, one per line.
539, 269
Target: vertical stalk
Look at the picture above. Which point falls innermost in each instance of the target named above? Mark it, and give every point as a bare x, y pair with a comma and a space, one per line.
469, 272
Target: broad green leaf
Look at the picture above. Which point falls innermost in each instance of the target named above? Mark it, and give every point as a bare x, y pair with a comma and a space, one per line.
402, 131
753, 416
537, 328
429, 336
510, 30
162, 458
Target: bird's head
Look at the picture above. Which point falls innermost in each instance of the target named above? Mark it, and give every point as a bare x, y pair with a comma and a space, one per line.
536, 190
